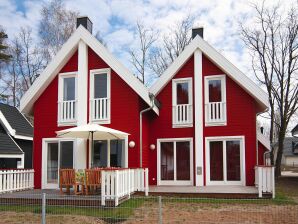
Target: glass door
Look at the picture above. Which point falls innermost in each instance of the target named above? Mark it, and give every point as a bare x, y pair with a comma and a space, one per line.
52, 163
175, 159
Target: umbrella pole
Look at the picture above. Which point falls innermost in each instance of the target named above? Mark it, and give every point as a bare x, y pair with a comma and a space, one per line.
92, 150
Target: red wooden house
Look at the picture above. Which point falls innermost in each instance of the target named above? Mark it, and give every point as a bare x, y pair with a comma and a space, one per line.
196, 126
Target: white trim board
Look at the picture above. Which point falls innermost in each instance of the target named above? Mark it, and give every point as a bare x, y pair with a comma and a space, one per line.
62, 57
198, 43
263, 140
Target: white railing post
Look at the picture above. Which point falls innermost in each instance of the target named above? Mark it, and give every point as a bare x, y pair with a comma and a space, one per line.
260, 178
116, 187
146, 182
273, 181
103, 188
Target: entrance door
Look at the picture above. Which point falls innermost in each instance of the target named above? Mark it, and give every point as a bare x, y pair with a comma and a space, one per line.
175, 162
59, 156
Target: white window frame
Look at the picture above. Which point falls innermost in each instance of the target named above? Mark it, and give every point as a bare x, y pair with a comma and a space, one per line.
242, 160
45, 142
174, 101
61, 78
222, 78
91, 94
175, 182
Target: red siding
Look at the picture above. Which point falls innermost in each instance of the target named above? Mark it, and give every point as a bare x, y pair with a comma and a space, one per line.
45, 117
261, 150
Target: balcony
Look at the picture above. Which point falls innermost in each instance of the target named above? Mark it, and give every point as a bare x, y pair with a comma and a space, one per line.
215, 113
182, 115
67, 112
100, 110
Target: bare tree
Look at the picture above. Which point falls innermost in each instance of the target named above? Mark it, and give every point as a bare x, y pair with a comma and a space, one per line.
172, 45
146, 36
56, 26
273, 44
24, 67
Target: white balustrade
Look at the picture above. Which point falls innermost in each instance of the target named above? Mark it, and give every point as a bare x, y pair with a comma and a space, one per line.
100, 109
16, 180
116, 184
215, 112
182, 114
265, 180
67, 111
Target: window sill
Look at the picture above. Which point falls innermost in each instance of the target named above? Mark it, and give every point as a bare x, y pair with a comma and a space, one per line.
100, 121
67, 123
211, 124
189, 125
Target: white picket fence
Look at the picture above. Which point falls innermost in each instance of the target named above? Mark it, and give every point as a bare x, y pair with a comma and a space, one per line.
16, 180
116, 184
265, 180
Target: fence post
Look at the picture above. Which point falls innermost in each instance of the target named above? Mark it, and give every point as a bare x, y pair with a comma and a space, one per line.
159, 210
43, 209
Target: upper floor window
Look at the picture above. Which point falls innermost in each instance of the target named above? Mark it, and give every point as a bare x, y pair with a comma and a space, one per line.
100, 96
182, 102
67, 99
215, 100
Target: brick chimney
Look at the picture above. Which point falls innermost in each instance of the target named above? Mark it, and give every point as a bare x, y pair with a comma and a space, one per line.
85, 22
198, 31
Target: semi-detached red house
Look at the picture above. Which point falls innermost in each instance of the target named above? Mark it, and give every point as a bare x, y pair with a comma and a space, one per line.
200, 128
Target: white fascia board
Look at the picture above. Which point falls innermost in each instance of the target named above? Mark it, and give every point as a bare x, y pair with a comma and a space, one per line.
64, 55
198, 43
263, 140
23, 137
50, 72
6, 125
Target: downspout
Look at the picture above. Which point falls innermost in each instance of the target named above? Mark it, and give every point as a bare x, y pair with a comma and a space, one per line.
141, 129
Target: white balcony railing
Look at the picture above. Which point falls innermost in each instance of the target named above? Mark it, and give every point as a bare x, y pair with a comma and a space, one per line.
67, 111
100, 109
16, 180
215, 112
119, 183
182, 114
265, 180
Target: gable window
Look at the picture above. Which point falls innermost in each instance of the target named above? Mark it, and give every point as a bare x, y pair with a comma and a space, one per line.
67, 99
215, 100
182, 102
100, 96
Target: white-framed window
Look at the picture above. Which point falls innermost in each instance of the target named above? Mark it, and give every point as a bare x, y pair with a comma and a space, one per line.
225, 160
182, 102
175, 161
100, 96
67, 98
215, 100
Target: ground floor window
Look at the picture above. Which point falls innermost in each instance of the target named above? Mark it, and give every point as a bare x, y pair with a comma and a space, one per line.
104, 156
225, 160
175, 161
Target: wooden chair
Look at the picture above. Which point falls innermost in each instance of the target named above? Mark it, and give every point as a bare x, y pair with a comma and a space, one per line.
93, 180
67, 179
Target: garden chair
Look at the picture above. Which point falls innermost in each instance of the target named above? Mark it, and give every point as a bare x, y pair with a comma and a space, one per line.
67, 179
93, 180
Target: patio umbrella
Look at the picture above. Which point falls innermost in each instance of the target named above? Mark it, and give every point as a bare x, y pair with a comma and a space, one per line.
97, 132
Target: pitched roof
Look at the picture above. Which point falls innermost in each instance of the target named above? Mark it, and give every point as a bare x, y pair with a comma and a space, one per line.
288, 146
63, 56
295, 131
14, 122
8, 145
198, 43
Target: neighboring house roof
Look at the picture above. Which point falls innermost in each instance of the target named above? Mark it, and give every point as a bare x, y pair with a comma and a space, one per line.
8, 145
263, 140
295, 131
288, 146
62, 58
198, 43
15, 122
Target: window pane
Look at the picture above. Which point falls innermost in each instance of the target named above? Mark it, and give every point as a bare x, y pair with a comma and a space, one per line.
99, 154
100, 86
52, 163
182, 93
215, 91
167, 160
216, 161
116, 155
233, 160
183, 160
69, 88
66, 155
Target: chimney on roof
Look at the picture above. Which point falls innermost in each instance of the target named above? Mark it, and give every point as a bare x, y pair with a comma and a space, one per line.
85, 22
198, 31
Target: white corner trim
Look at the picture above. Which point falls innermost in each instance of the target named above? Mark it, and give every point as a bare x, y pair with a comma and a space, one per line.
23, 137
264, 140
198, 43
6, 125
198, 108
